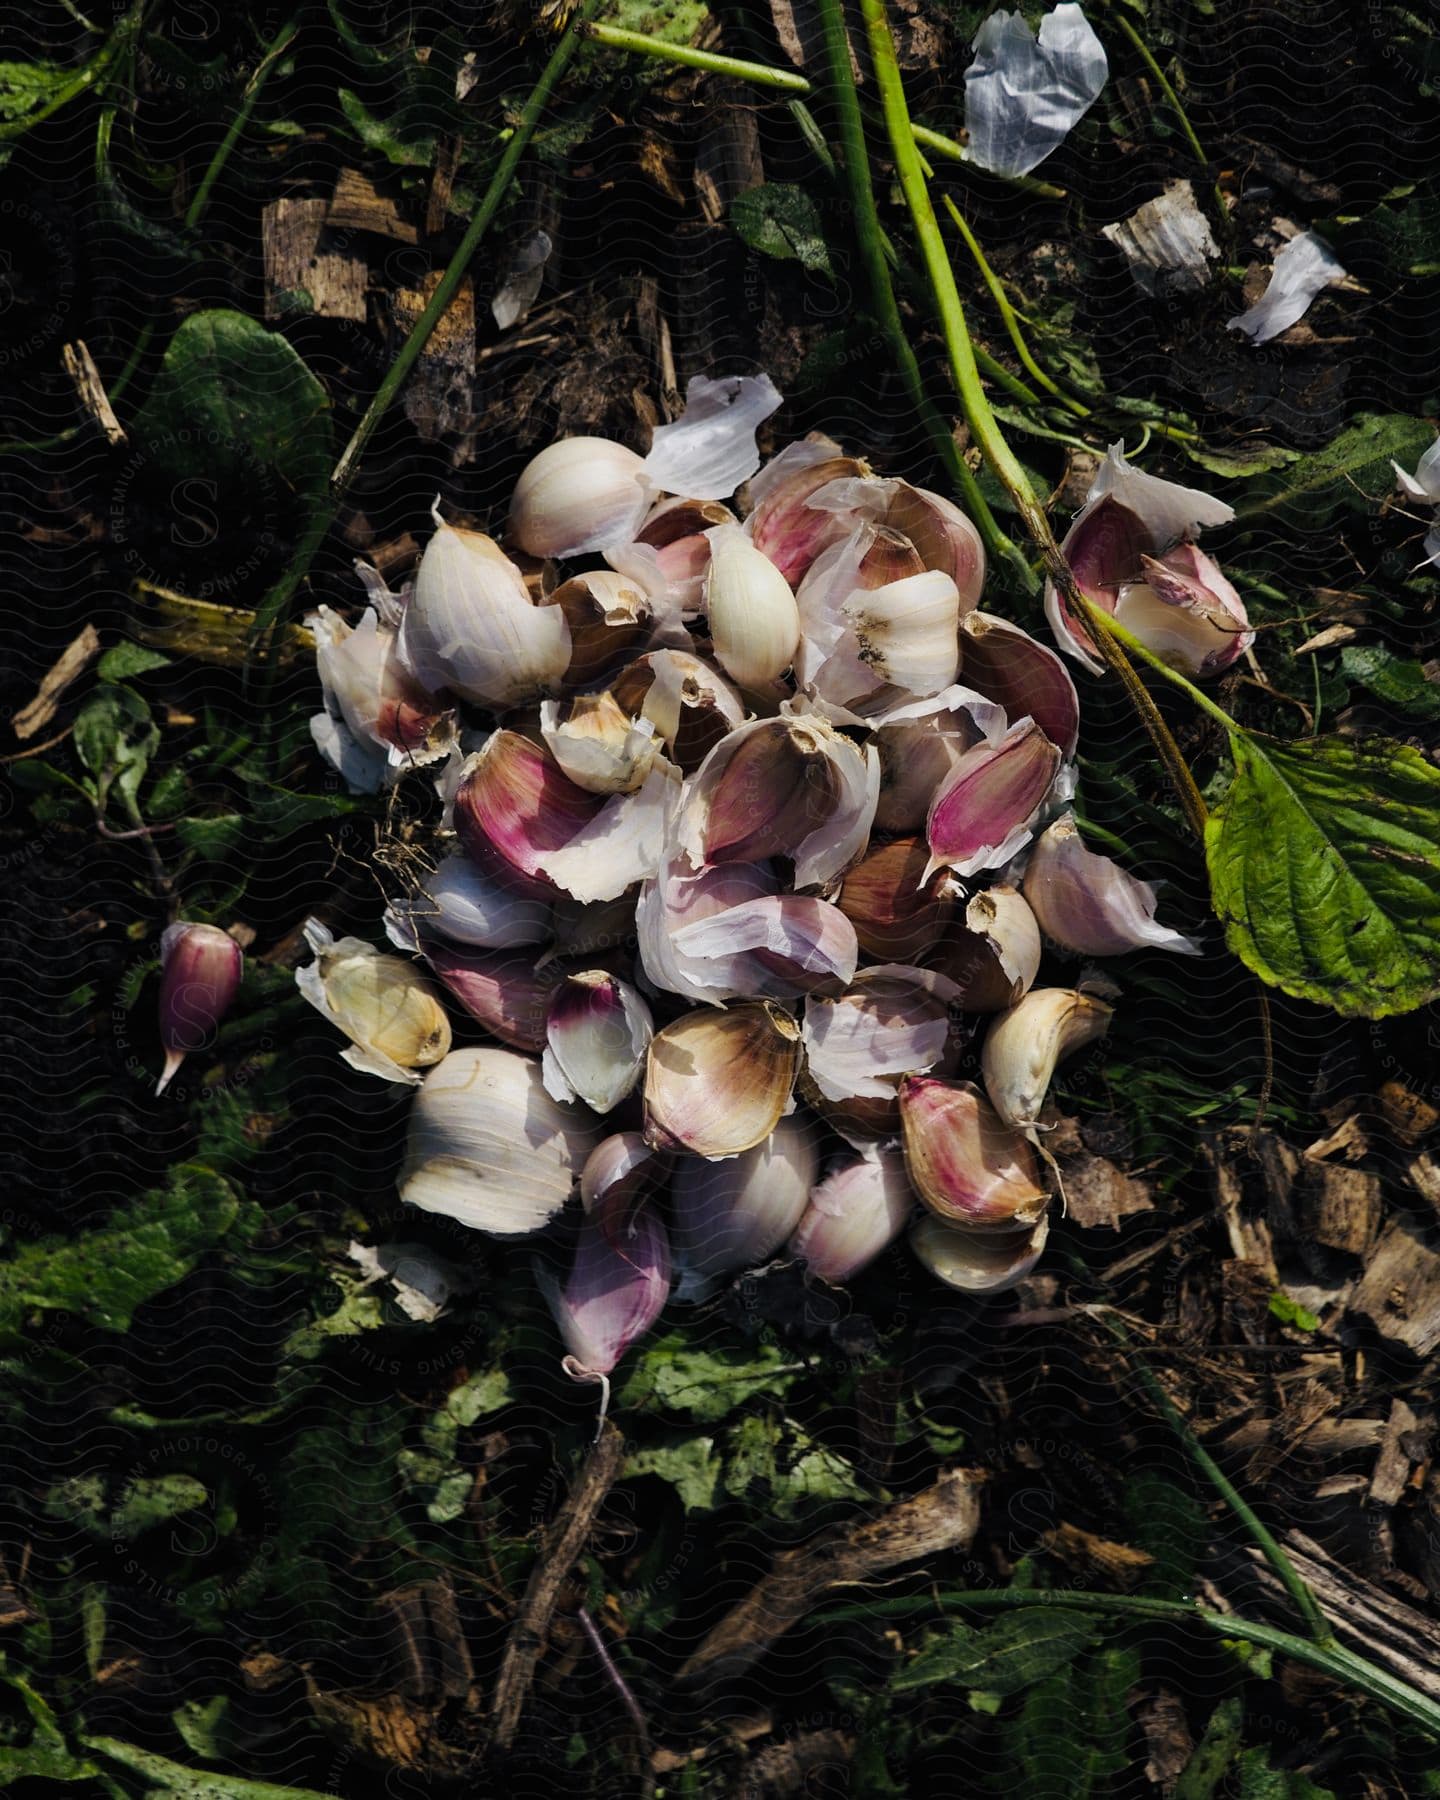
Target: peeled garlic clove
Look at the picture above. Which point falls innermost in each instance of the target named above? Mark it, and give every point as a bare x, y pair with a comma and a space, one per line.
754, 621
978, 1262
1026, 1043
995, 960
1025, 677
378, 720
608, 617
200, 970
1089, 904
514, 805
488, 1146
986, 808
897, 912
732, 1215
891, 1022
790, 532
596, 1035
967, 1165
919, 745
619, 1172
392, 1014
717, 1083
597, 744
582, 494
499, 989
473, 628
691, 705
854, 1214
1186, 612
617, 1288
464, 906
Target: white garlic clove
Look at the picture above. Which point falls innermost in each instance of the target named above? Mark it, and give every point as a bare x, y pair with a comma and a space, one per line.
1026, 1043
581, 494
461, 904
855, 1213
597, 1032
717, 1083
597, 744
732, 1215
754, 621
995, 959
977, 1262
378, 720
1089, 904
967, 1165
620, 1172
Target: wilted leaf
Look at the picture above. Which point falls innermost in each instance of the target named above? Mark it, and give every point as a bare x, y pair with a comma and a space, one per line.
1353, 469
781, 220
689, 1464
1002, 1658
673, 1375
1323, 860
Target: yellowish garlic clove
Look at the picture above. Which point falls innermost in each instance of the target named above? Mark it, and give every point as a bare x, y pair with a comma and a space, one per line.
978, 1262
754, 621
966, 1163
391, 1012
1026, 1043
597, 744
717, 1083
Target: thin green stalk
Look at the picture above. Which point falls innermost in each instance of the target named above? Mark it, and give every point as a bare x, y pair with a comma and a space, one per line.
272, 608
1332, 1659
760, 74
868, 235
277, 47
1128, 31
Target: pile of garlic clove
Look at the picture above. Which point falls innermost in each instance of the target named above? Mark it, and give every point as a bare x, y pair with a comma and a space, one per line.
756, 827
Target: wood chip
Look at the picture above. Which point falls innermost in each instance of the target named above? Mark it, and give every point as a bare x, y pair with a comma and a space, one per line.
80, 367
439, 398
1099, 1557
727, 158
1326, 639
71, 663
296, 264
1391, 1474
1409, 1116
1098, 1194
357, 205
1399, 1293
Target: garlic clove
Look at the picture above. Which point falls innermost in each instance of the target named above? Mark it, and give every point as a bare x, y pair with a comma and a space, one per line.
1025, 677
891, 1022
378, 720
986, 808
500, 989
906, 632
1089, 904
978, 1262
754, 621
967, 1165
596, 1035
918, 746
779, 945
617, 1288
898, 913
608, 616
392, 1014
1186, 612
464, 906
489, 1147
943, 536
732, 1215
677, 897
514, 804
783, 525
620, 1172
581, 494
717, 1083
855, 1213
675, 529
1025, 1044
691, 705
995, 959
200, 971
621, 844
597, 744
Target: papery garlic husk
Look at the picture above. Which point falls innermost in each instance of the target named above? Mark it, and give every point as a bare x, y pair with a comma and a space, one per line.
502, 990
995, 959
891, 1022
1024, 676
978, 1262
790, 532
753, 619
378, 720
391, 1012
200, 971
1186, 612
941, 536
691, 705
422, 1283
618, 1284
596, 1035
608, 616
790, 786
717, 1083
967, 1164
1025, 1044
597, 744
897, 911
710, 450
471, 626
725, 933
1089, 904
489, 1147
675, 529
620, 1172
986, 808
732, 1215
919, 744
459, 903
855, 1213
582, 494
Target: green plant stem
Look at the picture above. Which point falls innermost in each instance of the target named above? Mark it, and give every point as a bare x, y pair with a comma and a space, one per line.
867, 232
1128, 31
276, 48
1332, 1659
759, 74
272, 608
956, 152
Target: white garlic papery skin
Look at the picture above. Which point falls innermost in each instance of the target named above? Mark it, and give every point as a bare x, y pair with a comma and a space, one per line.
754, 620
1025, 1044
1089, 904
731, 1215
459, 903
995, 959
582, 494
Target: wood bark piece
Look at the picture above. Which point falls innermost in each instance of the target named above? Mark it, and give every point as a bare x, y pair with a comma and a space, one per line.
1399, 1293
71, 663
1391, 1475
943, 1517
297, 263
357, 205
727, 158
439, 398
80, 367
562, 1544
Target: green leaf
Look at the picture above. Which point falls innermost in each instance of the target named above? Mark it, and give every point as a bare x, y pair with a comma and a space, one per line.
124, 660
782, 221
1353, 469
115, 737
213, 835
1323, 861
1168, 1524
175, 1779
688, 1463
1291, 1312
1259, 1780
152, 1499
378, 135
29, 89
1070, 1735
1237, 461
1016, 1651
482, 1394
791, 1468
1396, 679
673, 1375
231, 399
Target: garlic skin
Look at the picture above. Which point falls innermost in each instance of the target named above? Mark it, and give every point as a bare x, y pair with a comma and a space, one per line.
782, 524
968, 1165
487, 1145
891, 1022
732, 1215
754, 621
995, 960
608, 617
392, 1014
1026, 1043
855, 1213
619, 1172
1186, 612
618, 1284
597, 744
502, 990
920, 744
977, 1262
578, 495
897, 911
464, 906
1089, 904
200, 971
1026, 678
378, 721
473, 628
717, 1083
596, 1034
987, 806
710, 449
691, 705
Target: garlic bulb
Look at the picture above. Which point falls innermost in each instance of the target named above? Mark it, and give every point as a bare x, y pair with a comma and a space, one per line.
391, 1013
984, 810
1089, 904
853, 1214
200, 970
965, 1163
1026, 1043
717, 1083
978, 1262
754, 621
583, 493
731, 1215
489, 1147
596, 1035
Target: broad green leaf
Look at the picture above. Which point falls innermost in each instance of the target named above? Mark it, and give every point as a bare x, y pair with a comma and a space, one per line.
1168, 1524
1396, 679
1236, 461
1212, 1757
1018, 1650
673, 1375
782, 221
1324, 862
127, 659
1070, 1734
152, 1499
484, 1393
211, 835
234, 403
115, 737
380, 135
1353, 470
791, 1470
688, 1463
